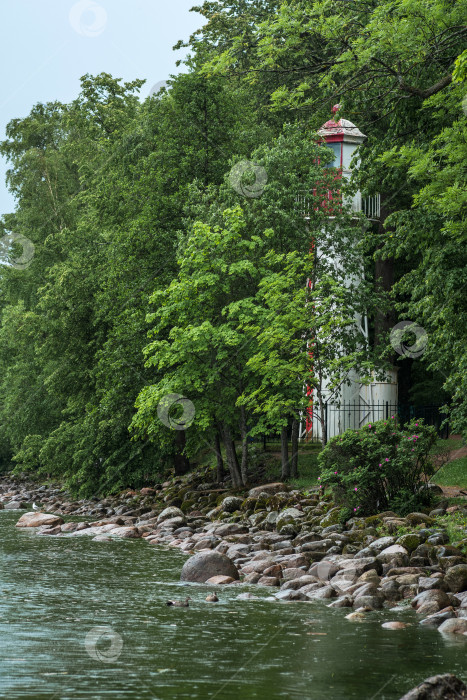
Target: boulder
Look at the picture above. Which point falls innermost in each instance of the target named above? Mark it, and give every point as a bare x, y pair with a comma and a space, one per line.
270, 489
394, 553
38, 519
231, 504
229, 529
289, 529
419, 519
456, 578
331, 518
289, 516
443, 687
292, 573
437, 599
15, 505
205, 565
382, 543
410, 541
322, 593
126, 532
268, 581
456, 625
170, 512
438, 618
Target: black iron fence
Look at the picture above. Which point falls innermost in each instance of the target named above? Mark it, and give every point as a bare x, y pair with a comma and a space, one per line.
340, 417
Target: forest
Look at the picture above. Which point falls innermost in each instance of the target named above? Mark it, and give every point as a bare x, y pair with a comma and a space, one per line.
158, 258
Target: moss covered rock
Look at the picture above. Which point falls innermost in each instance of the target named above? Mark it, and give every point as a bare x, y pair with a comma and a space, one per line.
331, 518
249, 503
231, 504
289, 515
410, 541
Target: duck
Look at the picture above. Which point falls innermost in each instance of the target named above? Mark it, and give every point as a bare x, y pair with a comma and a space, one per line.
212, 598
179, 603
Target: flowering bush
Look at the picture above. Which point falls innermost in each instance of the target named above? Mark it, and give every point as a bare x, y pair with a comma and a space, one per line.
379, 467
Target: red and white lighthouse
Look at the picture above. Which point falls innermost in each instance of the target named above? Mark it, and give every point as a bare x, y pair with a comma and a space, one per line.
362, 401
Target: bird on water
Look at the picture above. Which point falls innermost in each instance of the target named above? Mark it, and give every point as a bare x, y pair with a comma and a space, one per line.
179, 603
212, 598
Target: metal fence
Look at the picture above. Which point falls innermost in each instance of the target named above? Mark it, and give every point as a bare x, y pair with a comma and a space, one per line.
340, 417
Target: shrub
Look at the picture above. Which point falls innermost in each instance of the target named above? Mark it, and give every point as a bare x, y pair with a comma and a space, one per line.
379, 467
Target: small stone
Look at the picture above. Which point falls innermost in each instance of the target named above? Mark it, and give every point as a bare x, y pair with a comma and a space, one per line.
394, 625
248, 596
220, 580
355, 617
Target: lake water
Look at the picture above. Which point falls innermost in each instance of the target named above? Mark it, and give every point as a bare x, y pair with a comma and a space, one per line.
82, 619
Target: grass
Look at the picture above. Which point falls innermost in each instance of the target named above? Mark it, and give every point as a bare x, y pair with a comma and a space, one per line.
445, 445
453, 474
307, 464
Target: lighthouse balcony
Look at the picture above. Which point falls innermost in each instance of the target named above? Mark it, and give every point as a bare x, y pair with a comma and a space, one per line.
370, 206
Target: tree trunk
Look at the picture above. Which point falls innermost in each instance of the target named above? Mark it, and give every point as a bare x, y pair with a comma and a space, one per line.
181, 461
232, 460
220, 461
285, 454
322, 420
244, 434
294, 459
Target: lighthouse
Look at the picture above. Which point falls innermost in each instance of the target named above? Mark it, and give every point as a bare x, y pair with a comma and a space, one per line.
357, 403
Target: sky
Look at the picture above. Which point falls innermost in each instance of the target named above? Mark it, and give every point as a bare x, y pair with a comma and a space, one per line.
47, 45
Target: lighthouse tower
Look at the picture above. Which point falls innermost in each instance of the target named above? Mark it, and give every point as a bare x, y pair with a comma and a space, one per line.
356, 404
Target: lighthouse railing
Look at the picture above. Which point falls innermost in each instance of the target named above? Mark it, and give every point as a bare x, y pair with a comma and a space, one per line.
370, 206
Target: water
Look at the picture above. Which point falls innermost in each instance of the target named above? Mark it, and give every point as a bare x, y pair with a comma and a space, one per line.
56, 595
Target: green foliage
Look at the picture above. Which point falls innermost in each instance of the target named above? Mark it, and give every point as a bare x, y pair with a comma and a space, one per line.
125, 203
379, 467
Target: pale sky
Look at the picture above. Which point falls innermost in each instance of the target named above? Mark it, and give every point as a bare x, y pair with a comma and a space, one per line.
47, 45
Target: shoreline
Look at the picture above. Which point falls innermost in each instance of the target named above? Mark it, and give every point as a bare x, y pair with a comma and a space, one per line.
278, 538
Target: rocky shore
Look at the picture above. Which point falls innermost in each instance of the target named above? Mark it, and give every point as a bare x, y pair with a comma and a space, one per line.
290, 541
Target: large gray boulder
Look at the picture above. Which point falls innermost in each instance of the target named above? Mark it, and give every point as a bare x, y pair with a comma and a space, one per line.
443, 687
205, 565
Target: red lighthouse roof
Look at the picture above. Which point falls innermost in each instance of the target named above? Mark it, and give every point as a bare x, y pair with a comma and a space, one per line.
342, 130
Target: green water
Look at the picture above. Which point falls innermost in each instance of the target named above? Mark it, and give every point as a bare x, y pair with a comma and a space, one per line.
57, 593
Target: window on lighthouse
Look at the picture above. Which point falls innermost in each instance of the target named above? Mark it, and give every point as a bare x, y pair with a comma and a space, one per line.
336, 162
